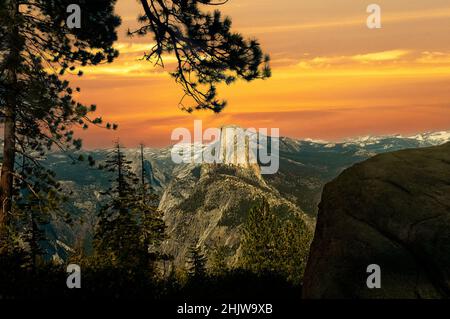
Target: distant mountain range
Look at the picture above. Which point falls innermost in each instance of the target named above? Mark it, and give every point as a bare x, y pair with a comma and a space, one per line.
207, 205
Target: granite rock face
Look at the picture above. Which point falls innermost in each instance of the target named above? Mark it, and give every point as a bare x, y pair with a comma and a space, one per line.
207, 206
392, 210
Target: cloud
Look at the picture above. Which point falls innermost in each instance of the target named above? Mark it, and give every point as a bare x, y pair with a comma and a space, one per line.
380, 56
128, 47
407, 61
320, 62
434, 58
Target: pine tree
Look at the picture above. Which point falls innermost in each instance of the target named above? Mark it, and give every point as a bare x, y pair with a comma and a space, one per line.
37, 198
261, 234
37, 107
208, 53
129, 228
219, 260
293, 249
196, 263
144, 185
272, 245
147, 191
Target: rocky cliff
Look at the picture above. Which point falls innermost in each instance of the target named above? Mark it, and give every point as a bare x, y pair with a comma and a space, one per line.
392, 210
207, 204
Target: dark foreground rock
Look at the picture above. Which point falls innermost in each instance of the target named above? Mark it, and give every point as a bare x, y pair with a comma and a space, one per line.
392, 210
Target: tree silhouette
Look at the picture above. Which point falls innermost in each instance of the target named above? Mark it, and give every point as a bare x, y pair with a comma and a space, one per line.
37, 106
129, 228
207, 51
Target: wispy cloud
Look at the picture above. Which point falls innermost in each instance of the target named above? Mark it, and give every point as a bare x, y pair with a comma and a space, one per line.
384, 57
404, 61
434, 57
380, 56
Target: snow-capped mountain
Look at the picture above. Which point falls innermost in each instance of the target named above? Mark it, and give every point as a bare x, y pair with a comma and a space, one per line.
422, 139
231, 145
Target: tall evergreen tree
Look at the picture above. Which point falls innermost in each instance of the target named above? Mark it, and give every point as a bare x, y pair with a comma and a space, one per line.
196, 263
295, 242
208, 52
274, 245
144, 185
37, 107
129, 228
146, 190
261, 235
218, 260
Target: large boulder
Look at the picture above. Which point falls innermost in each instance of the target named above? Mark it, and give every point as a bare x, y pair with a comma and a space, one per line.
392, 210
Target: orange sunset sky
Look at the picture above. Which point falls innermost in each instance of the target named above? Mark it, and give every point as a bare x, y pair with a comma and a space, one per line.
333, 78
